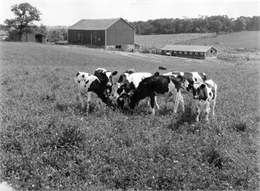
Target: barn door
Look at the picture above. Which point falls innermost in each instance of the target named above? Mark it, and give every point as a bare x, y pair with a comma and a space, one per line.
80, 38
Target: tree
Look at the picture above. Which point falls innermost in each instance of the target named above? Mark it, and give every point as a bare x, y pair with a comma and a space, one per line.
240, 24
23, 22
216, 26
42, 29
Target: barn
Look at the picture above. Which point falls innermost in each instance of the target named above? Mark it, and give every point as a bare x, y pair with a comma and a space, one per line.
102, 32
188, 51
29, 37
34, 37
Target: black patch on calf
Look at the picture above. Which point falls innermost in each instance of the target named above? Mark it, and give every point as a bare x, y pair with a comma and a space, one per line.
202, 92
77, 74
148, 87
83, 76
210, 94
86, 82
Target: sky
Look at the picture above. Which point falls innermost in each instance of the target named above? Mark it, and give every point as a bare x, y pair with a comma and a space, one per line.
68, 12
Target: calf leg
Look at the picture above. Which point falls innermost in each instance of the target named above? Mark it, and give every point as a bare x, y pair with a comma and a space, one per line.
176, 104
207, 110
152, 104
156, 103
88, 101
213, 108
197, 114
182, 102
81, 99
198, 110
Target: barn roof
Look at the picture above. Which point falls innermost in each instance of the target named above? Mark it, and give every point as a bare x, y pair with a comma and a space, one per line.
95, 24
187, 48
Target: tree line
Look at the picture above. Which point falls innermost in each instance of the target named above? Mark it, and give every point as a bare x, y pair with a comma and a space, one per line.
203, 24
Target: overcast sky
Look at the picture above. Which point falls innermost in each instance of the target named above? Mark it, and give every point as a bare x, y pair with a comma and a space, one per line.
68, 12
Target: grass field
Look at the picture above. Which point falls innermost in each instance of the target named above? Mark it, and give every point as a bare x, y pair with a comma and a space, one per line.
238, 46
49, 143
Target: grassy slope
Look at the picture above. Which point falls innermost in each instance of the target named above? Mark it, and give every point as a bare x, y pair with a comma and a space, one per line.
47, 142
240, 46
158, 41
246, 39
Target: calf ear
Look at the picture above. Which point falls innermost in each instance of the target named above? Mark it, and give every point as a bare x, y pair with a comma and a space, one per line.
156, 74
114, 73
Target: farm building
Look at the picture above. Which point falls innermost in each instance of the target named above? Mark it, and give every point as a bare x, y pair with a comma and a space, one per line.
187, 51
102, 32
29, 37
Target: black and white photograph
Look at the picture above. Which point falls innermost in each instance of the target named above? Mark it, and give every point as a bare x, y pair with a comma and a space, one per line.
129, 95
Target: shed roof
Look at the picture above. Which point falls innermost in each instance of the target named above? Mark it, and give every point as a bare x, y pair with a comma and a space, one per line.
187, 48
95, 24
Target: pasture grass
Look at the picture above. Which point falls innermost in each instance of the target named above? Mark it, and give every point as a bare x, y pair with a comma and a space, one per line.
228, 45
49, 143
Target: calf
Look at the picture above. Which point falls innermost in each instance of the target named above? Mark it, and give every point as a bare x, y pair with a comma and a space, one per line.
125, 88
192, 77
205, 95
122, 79
159, 85
105, 77
124, 75
87, 84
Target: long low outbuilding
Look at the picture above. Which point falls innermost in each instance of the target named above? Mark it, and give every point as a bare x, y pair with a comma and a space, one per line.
189, 51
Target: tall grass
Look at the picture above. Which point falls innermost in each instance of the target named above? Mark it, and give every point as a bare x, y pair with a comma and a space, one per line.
49, 143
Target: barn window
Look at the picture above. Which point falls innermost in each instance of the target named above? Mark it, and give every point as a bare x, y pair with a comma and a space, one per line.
98, 39
180, 52
175, 52
202, 53
190, 53
185, 52
196, 53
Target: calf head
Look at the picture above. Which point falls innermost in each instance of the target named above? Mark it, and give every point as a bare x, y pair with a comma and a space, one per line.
124, 75
123, 92
200, 92
105, 78
184, 83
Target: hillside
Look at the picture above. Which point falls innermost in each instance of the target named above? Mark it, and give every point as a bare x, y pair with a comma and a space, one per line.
49, 142
158, 41
240, 46
246, 39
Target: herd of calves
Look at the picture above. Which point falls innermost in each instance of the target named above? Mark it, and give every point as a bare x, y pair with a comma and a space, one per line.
132, 86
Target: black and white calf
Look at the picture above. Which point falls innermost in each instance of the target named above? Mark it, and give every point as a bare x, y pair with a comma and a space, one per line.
162, 86
192, 77
88, 83
105, 77
205, 95
126, 88
124, 75
116, 90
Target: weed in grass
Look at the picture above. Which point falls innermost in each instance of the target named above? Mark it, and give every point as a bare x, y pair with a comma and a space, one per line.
242, 126
60, 106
